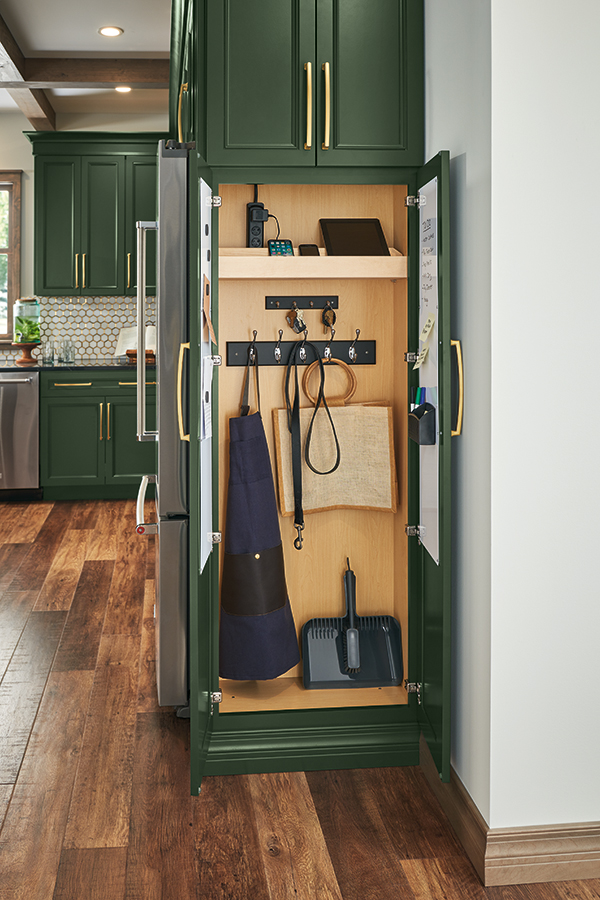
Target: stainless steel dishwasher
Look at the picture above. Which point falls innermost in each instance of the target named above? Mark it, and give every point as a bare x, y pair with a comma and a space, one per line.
19, 430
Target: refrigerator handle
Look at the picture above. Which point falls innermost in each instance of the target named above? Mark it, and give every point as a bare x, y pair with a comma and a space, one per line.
142, 228
142, 527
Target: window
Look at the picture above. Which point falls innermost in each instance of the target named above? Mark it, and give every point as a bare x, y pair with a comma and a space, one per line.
10, 248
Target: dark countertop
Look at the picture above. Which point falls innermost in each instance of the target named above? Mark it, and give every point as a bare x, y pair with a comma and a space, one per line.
92, 364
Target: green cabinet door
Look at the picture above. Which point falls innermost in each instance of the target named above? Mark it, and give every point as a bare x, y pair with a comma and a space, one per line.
370, 101
140, 206
257, 99
57, 225
127, 459
102, 224
72, 441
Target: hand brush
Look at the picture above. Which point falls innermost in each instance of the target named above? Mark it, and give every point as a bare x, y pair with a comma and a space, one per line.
351, 638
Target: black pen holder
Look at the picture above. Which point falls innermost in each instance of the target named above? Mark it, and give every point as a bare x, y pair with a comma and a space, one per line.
421, 424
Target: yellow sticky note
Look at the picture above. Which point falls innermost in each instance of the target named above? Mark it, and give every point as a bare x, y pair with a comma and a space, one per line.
427, 328
421, 358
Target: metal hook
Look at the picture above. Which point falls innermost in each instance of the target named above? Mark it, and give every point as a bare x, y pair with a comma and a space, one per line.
352, 350
302, 350
277, 350
298, 540
252, 349
327, 351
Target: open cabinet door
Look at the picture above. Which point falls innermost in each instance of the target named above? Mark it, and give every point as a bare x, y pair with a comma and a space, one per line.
433, 556
202, 360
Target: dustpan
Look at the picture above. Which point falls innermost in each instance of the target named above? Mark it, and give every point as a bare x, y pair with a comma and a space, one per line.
352, 651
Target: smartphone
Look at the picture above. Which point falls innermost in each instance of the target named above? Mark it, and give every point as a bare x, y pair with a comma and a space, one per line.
308, 250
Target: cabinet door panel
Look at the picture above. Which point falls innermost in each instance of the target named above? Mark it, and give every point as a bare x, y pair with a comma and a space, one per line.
375, 53
257, 112
57, 224
103, 212
71, 450
140, 207
127, 459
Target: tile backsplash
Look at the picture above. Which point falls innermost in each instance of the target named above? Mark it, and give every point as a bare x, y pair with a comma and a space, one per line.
92, 323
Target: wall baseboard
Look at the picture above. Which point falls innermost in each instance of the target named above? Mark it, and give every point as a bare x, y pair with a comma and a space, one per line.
503, 856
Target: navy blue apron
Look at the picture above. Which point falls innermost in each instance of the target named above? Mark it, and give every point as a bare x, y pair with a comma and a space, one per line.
257, 638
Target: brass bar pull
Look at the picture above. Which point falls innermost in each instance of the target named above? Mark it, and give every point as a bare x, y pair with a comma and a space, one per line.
77, 270
108, 421
121, 383
72, 384
129, 270
182, 89
83, 280
101, 427
309, 106
182, 436
327, 70
461, 389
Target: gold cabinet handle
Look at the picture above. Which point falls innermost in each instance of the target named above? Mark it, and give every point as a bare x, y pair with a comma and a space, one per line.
101, 427
129, 270
72, 384
309, 105
182, 348
121, 383
461, 389
77, 270
182, 90
83, 266
327, 70
108, 421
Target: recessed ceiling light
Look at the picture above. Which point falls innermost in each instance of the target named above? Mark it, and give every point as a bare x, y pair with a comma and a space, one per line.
122, 89
111, 31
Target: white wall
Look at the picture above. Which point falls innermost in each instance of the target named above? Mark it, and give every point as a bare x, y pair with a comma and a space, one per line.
527, 664
458, 120
545, 675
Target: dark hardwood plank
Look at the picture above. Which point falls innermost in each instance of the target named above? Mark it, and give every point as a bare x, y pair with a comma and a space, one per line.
225, 830
80, 641
23, 685
35, 566
161, 861
91, 874
292, 847
85, 515
32, 836
150, 555
5, 795
147, 697
61, 581
11, 557
100, 808
33, 516
365, 860
126, 600
15, 608
105, 536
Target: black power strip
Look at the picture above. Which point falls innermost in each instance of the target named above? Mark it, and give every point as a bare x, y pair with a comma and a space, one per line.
256, 217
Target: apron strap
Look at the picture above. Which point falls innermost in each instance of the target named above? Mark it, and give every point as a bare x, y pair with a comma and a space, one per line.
252, 362
293, 416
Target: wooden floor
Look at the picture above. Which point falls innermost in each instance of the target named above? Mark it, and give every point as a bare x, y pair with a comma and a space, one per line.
94, 785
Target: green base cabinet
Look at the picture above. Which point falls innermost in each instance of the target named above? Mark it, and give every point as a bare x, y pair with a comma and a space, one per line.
89, 192
88, 435
307, 83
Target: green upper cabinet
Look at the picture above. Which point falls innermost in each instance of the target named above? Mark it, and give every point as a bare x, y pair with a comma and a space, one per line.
140, 206
305, 83
89, 193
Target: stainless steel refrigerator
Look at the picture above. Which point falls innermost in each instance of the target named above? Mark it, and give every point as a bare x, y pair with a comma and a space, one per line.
172, 414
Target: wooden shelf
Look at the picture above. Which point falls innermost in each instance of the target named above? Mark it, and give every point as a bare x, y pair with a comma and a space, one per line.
289, 693
244, 263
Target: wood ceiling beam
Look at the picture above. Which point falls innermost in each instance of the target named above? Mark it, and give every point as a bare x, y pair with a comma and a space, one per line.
34, 104
97, 73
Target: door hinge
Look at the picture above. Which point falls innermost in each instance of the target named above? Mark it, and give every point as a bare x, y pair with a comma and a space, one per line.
215, 200
217, 360
415, 200
414, 687
410, 357
417, 531
214, 537
215, 699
